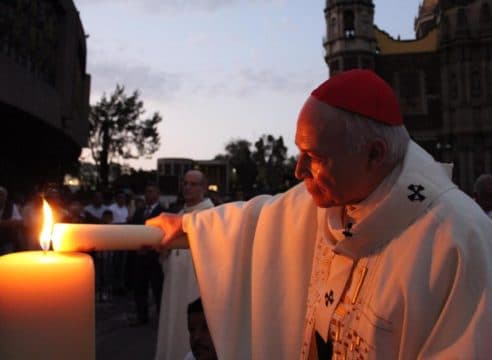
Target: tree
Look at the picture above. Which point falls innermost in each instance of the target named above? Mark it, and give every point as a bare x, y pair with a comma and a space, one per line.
243, 168
135, 180
117, 130
266, 169
270, 157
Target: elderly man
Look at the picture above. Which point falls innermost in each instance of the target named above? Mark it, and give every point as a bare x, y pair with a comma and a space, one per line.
376, 255
180, 287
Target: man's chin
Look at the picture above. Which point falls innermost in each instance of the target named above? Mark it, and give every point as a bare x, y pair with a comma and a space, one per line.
324, 204
320, 198
320, 201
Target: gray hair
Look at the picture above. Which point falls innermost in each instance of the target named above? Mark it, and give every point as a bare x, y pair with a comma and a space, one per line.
360, 130
3, 190
480, 183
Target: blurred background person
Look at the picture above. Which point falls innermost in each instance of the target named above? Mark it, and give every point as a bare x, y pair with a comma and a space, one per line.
33, 216
482, 192
120, 213
75, 211
147, 270
95, 209
180, 287
202, 346
119, 209
10, 223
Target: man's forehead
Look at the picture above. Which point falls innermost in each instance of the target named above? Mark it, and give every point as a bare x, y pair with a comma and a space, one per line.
193, 176
319, 119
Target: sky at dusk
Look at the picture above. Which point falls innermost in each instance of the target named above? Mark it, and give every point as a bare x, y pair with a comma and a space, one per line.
216, 70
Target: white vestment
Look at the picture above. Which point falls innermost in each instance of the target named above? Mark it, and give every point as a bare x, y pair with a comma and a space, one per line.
180, 289
412, 280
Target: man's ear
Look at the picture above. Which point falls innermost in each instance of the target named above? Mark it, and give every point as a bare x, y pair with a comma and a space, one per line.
377, 151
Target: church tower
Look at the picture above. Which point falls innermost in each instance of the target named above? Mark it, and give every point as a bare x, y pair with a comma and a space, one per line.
427, 18
350, 41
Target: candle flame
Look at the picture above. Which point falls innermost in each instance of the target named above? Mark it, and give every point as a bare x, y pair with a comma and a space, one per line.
45, 236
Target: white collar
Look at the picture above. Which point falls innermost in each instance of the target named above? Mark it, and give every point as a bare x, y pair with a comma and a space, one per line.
420, 182
204, 204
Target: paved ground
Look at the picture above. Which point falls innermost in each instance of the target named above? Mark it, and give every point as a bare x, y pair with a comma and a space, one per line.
116, 339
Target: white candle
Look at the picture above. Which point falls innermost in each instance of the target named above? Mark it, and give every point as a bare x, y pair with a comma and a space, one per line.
95, 237
46, 306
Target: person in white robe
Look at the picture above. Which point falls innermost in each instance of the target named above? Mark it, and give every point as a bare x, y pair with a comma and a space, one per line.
376, 255
180, 287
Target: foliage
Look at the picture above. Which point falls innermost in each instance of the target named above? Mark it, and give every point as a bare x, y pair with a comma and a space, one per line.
135, 180
270, 156
266, 169
88, 174
118, 130
243, 168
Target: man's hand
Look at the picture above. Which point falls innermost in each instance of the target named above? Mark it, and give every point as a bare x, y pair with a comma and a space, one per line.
172, 227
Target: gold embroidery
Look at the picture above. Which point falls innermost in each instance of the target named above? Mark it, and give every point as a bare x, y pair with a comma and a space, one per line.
341, 311
359, 284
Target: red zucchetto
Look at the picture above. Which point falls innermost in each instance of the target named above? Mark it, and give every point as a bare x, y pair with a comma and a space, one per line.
361, 92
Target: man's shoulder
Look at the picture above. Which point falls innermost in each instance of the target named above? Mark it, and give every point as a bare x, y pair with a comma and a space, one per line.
459, 221
297, 195
457, 205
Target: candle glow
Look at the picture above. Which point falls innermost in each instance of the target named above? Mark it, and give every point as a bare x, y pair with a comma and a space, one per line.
47, 306
45, 235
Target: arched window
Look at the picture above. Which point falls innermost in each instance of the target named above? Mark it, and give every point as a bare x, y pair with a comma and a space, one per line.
348, 24
333, 25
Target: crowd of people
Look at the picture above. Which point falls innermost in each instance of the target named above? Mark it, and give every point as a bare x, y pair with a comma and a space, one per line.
21, 223
126, 274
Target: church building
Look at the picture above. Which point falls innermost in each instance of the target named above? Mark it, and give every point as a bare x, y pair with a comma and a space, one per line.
443, 77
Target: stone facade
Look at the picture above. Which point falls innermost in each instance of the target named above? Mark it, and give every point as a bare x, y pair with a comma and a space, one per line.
443, 77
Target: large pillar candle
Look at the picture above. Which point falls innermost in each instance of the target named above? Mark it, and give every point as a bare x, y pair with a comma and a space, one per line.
93, 237
46, 306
